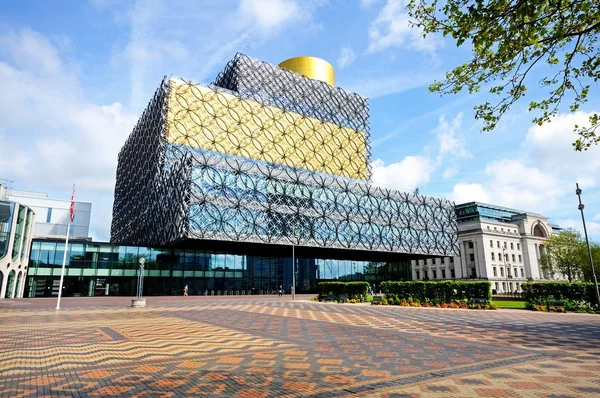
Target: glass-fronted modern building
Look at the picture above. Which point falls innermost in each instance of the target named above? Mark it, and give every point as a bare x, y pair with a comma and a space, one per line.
218, 182
99, 269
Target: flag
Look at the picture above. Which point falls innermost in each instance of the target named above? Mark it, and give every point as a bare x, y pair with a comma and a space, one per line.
72, 209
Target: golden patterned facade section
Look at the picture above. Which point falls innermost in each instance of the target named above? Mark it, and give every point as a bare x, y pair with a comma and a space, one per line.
311, 67
205, 118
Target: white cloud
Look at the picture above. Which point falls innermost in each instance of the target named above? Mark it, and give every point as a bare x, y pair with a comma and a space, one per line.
381, 86
406, 175
450, 172
550, 146
367, 3
270, 15
510, 183
417, 171
392, 29
347, 56
450, 144
56, 135
596, 217
173, 37
463, 193
593, 228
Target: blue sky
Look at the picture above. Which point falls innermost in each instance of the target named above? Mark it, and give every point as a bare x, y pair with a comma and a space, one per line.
76, 76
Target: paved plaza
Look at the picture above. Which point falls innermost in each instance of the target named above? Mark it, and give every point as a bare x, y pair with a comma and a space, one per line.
256, 346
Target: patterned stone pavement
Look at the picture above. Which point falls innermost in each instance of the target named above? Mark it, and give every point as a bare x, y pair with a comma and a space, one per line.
258, 346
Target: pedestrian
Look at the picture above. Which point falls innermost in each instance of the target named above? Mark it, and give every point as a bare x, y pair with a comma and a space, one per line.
185, 290
280, 291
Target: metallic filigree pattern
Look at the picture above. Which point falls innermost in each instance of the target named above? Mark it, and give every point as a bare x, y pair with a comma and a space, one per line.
234, 199
260, 81
220, 121
186, 172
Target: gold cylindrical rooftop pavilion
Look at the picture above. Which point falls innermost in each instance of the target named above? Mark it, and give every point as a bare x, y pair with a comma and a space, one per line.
311, 67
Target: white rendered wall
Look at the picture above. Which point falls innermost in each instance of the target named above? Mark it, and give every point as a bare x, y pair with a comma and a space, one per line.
59, 217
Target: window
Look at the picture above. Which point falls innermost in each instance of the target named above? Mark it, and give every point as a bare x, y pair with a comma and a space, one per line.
443, 274
493, 257
516, 273
434, 273
498, 244
506, 256
513, 258
501, 271
470, 244
443, 260
517, 285
496, 286
452, 273
522, 273
495, 273
504, 244
518, 246
418, 275
425, 275
520, 259
473, 273
472, 257
510, 286
512, 246
499, 256
451, 260
49, 215
491, 243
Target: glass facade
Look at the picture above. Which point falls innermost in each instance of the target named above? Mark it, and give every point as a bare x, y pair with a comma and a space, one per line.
480, 211
19, 229
267, 157
104, 269
6, 219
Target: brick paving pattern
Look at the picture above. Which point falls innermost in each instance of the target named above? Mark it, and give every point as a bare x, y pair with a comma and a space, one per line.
257, 346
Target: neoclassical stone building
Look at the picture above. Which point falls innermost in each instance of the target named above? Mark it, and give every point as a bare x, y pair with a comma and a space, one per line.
16, 230
496, 243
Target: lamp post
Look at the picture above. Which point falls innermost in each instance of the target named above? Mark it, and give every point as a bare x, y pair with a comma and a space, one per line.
294, 261
293, 272
139, 301
140, 288
504, 262
581, 207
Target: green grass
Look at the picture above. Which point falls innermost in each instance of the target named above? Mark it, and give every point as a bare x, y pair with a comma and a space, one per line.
509, 304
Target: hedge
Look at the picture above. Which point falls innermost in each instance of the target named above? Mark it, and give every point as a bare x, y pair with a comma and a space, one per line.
535, 292
443, 291
350, 289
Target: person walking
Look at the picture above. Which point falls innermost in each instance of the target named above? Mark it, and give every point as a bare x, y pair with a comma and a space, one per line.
185, 291
280, 291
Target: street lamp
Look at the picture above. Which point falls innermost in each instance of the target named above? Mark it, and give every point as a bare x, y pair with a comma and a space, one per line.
580, 207
294, 261
141, 279
504, 262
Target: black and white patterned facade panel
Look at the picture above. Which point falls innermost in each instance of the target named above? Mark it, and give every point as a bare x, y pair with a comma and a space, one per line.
260, 81
242, 201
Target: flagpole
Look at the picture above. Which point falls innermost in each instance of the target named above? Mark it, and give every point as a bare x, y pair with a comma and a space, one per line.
62, 271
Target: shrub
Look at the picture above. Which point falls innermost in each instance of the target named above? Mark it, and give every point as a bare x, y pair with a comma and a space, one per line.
352, 290
438, 292
578, 296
